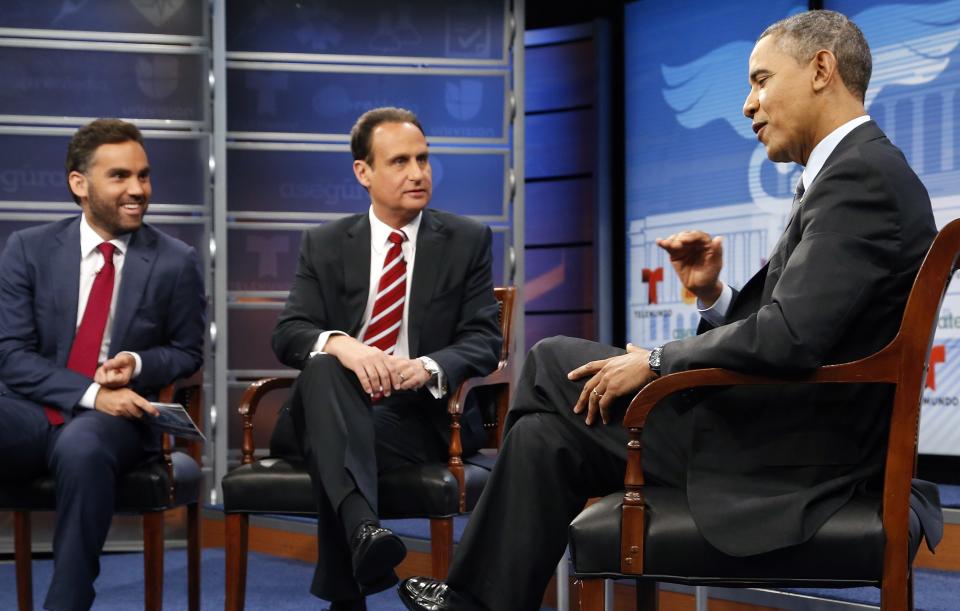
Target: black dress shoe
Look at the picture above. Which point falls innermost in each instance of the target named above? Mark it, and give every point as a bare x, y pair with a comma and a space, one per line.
376, 551
429, 594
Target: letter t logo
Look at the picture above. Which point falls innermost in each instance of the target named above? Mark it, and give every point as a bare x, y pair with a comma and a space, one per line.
651, 277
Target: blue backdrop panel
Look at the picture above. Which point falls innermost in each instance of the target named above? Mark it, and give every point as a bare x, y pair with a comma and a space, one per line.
466, 29
462, 105
540, 326
499, 246
555, 144
559, 278
179, 17
250, 330
562, 210
688, 143
32, 168
559, 76
81, 83
913, 97
262, 259
323, 181
194, 234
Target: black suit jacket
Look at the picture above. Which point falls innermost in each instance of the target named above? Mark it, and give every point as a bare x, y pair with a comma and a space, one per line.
770, 465
453, 313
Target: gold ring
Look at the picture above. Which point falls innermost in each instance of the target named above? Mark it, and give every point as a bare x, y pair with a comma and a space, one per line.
402, 377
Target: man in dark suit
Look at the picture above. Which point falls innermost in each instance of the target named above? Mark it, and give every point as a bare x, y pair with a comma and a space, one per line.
763, 468
97, 313
389, 309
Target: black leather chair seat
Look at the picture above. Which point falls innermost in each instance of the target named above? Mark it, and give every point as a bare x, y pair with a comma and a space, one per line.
145, 488
850, 544
282, 485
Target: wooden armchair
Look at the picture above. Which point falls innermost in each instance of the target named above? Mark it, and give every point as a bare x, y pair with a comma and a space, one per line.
172, 480
436, 491
623, 535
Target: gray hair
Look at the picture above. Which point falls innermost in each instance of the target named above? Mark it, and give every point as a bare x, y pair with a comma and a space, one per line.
804, 34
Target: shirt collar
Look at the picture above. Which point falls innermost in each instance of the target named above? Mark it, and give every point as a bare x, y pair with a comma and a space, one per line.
820, 153
89, 240
380, 231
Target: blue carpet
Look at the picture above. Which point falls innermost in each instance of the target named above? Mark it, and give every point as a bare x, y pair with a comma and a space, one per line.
949, 495
272, 583
933, 591
276, 584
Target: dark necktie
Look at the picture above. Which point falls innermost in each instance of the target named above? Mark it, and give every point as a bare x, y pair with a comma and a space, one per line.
85, 351
387, 315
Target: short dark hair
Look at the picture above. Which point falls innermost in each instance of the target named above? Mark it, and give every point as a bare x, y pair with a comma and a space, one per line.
89, 138
803, 34
361, 135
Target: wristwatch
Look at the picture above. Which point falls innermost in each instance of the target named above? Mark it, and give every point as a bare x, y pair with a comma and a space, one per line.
654, 360
434, 370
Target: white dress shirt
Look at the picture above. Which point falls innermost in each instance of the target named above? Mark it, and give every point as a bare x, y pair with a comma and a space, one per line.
379, 245
91, 262
716, 314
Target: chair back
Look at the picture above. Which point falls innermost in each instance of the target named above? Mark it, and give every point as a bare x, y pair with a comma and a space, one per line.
497, 404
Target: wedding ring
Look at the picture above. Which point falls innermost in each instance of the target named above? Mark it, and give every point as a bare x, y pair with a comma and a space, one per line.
402, 377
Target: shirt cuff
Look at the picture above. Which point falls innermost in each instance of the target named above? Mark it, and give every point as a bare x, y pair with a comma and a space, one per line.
321, 342
89, 398
437, 385
717, 313
139, 363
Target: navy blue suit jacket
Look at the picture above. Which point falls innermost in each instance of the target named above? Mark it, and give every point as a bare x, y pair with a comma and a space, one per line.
160, 312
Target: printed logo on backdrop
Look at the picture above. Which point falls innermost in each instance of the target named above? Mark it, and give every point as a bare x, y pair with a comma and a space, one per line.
464, 98
157, 12
157, 76
396, 31
912, 48
469, 31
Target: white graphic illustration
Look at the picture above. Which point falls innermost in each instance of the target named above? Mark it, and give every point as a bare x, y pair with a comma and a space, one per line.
157, 76
157, 12
464, 98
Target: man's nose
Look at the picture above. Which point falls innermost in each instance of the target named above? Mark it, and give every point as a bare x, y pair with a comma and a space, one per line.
750, 105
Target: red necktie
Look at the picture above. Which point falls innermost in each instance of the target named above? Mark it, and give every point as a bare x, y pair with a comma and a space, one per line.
385, 320
85, 351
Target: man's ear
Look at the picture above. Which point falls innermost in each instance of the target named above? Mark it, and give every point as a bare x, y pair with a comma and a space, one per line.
361, 170
824, 69
78, 184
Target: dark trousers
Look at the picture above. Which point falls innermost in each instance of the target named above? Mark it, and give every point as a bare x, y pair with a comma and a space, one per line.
85, 456
548, 467
346, 442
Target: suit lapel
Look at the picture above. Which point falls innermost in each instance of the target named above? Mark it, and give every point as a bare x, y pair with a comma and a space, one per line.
431, 243
356, 271
138, 262
65, 260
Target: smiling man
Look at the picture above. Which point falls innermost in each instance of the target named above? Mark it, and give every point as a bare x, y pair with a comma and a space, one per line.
97, 313
762, 467
389, 310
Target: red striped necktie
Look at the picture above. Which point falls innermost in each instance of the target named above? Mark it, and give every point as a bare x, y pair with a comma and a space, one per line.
387, 315
85, 351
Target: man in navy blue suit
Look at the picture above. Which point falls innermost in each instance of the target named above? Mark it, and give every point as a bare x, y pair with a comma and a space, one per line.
97, 312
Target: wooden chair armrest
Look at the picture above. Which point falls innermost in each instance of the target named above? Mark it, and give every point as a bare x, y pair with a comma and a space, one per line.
194, 394
457, 399
878, 367
248, 408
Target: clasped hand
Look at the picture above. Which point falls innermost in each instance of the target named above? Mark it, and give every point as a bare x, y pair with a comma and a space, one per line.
379, 373
113, 397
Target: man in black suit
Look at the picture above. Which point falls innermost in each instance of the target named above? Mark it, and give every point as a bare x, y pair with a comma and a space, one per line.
763, 468
389, 309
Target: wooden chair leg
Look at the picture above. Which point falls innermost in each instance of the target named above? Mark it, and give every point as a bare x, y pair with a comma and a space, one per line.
441, 546
23, 560
896, 591
237, 527
193, 557
153, 560
591, 595
647, 599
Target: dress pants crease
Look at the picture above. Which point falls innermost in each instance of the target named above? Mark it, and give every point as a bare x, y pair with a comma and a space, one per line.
551, 462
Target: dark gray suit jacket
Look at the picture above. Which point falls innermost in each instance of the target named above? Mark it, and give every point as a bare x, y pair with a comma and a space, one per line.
453, 313
770, 465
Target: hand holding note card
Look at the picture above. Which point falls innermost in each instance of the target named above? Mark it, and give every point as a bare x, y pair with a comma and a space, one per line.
175, 420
